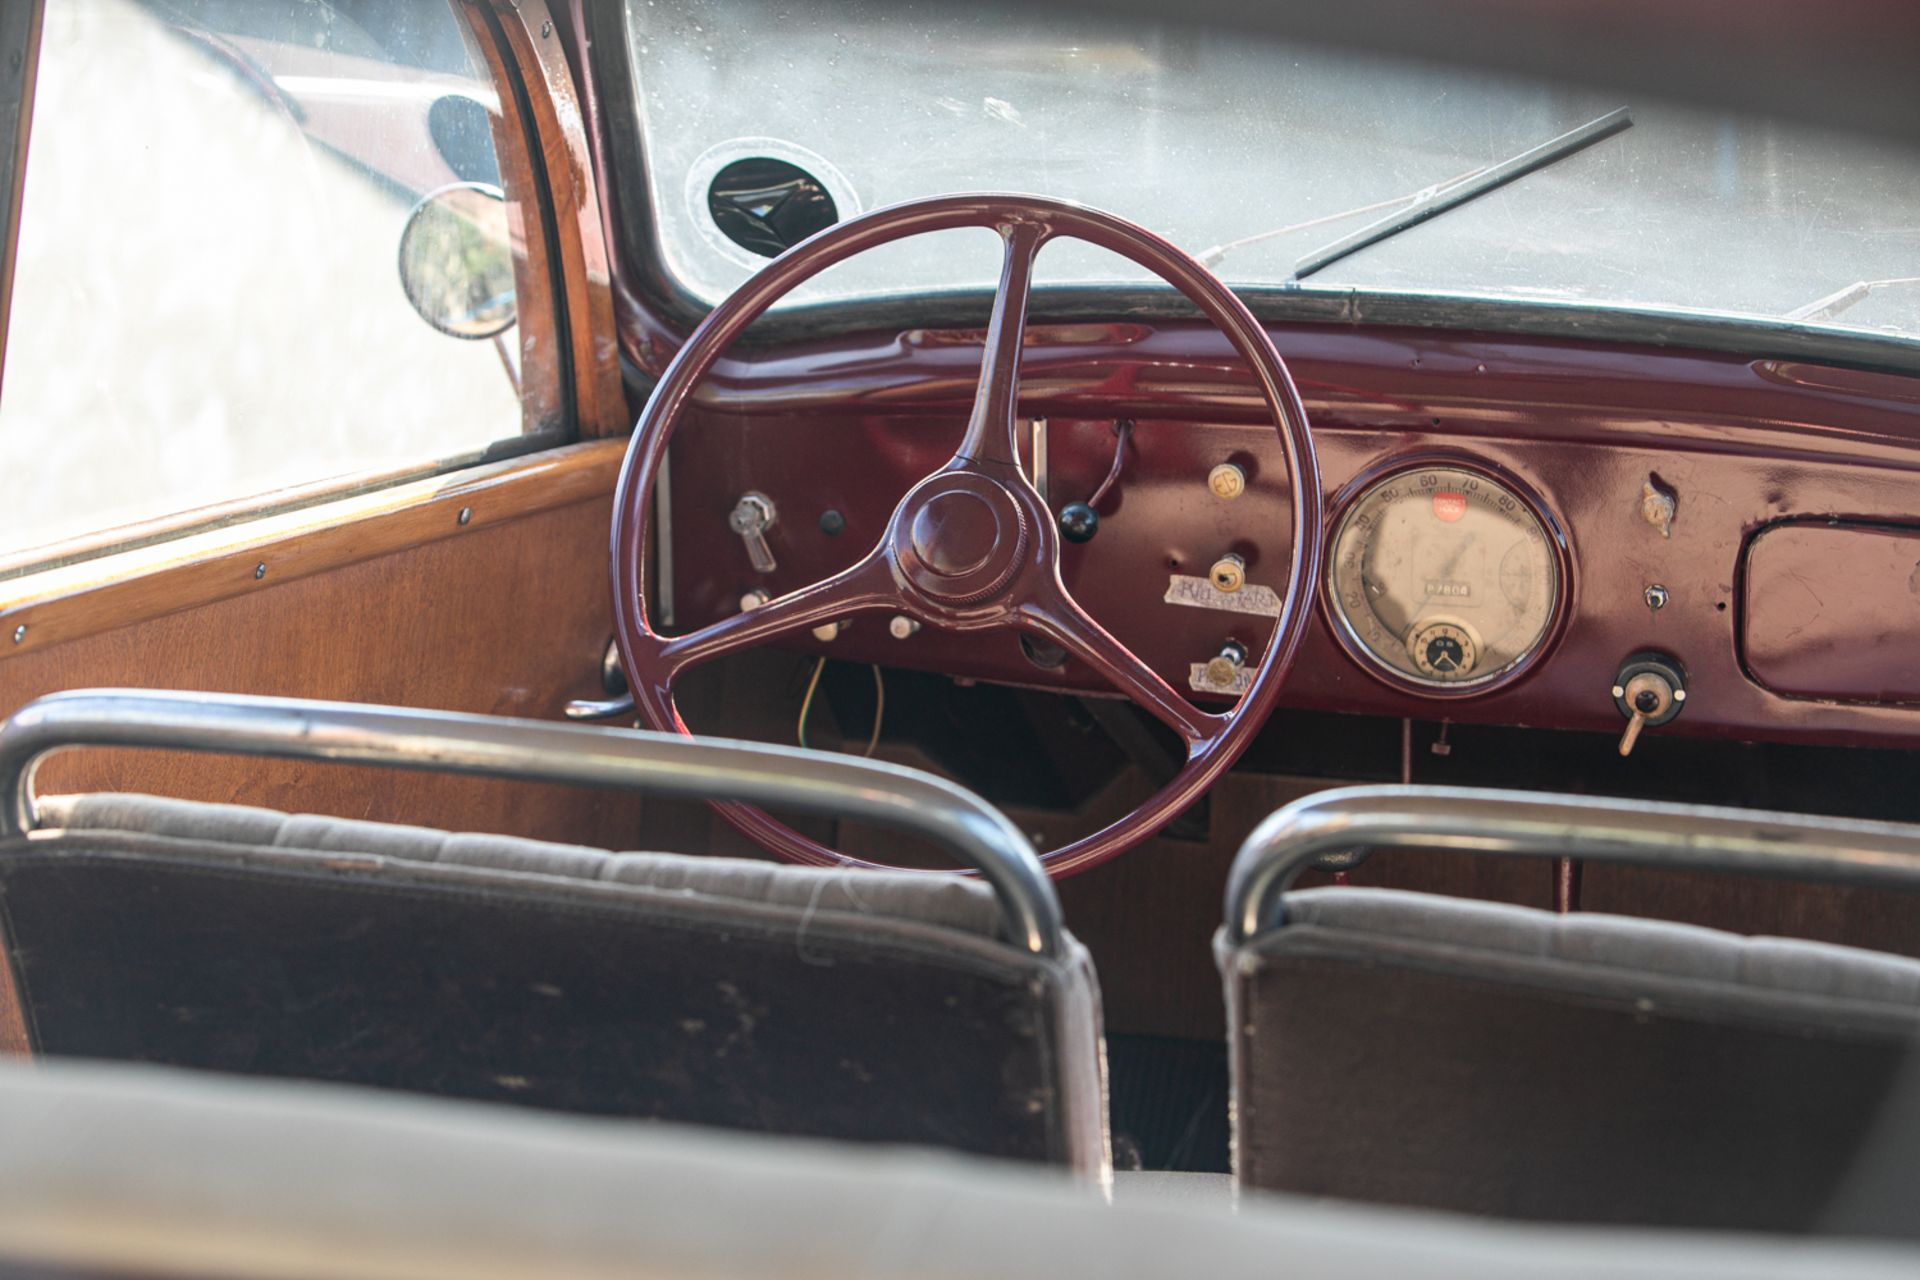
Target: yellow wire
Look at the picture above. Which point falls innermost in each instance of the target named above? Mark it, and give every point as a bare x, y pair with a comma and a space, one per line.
879, 705
879, 709
806, 703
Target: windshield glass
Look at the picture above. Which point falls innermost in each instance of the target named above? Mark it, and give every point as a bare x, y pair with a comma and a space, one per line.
1213, 137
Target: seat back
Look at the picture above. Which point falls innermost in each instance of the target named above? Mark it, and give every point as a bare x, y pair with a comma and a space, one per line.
1407, 1049
859, 1005
141, 1172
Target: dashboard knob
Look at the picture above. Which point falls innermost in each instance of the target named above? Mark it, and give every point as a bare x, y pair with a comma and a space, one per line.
1224, 667
1079, 522
1227, 481
1229, 573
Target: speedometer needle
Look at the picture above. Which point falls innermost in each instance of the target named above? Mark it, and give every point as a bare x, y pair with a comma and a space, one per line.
1446, 570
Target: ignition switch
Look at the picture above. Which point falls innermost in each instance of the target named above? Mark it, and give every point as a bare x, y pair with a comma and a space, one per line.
1649, 690
1229, 573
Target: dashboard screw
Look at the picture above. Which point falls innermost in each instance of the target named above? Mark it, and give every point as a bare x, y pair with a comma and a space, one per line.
260, 571
466, 514
20, 633
1656, 596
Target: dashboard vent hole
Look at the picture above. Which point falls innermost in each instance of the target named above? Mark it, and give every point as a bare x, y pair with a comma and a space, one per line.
767, 206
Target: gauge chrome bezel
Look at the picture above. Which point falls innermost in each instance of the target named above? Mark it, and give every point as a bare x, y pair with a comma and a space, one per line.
1350, 497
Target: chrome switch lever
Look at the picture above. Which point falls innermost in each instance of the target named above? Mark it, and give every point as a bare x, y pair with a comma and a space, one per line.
618, 703
752, 516
612, 709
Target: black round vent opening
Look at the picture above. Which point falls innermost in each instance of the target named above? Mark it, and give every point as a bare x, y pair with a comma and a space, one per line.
767, 206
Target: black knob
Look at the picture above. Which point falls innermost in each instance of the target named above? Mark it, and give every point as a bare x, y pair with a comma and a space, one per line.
832, 523
1646, 702
1078, 522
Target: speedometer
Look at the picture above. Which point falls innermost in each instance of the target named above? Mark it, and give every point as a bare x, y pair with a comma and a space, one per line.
1444, 577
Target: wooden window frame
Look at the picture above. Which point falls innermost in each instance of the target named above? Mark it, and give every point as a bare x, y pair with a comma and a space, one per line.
138, 572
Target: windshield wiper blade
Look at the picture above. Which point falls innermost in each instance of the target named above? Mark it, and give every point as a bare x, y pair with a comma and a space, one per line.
1840, 299
1436, 201
1211, 257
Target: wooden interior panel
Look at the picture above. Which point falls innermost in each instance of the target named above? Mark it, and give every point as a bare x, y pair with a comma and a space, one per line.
246, 559
508, 618
13, 1022
1878, 919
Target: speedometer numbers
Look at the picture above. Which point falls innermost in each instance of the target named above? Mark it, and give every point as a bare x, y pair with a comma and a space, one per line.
1443, 577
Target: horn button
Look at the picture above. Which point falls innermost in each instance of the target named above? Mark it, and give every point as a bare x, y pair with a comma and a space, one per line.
959, 538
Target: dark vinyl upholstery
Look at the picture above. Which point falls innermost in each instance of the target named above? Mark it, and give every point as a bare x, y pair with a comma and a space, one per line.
861, 1006
1412, 1050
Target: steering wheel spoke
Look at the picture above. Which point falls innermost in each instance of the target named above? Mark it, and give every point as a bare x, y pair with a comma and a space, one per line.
866, 585
991, 433
1062, 620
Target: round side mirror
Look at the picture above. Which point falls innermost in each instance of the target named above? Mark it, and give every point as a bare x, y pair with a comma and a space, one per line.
456, 260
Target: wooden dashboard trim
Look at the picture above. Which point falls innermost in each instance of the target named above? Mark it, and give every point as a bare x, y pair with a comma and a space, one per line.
135, 586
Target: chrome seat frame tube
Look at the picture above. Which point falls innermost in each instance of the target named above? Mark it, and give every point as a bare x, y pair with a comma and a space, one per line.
907, 800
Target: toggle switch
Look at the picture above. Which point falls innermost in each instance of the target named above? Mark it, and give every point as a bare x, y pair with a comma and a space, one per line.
1649, 690
751, 517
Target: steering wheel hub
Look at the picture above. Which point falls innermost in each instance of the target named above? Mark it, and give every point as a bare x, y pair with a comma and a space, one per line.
959, 537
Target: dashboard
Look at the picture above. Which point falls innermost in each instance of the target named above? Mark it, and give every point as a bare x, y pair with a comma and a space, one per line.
1521, 531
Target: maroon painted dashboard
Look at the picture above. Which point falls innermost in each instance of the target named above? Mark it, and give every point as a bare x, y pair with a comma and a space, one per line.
1744, 448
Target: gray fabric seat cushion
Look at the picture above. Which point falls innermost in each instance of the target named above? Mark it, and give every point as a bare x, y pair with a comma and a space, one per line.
1608, 955
948, 902
144, 1171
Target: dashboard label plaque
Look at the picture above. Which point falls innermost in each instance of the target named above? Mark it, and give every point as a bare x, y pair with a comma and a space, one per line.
1198, 680
1198, 593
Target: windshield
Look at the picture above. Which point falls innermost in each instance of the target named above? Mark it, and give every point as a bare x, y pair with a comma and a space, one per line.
1215, 138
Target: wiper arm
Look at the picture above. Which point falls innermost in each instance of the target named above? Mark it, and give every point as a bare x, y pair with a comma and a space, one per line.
1840, 299
1437, 200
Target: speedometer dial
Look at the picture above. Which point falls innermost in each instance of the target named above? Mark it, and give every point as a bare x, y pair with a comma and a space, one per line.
1444, 577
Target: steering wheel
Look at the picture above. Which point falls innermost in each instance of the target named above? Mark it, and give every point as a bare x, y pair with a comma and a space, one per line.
972, 547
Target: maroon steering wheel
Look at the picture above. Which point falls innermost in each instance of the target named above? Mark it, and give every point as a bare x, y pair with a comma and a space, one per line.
972, 547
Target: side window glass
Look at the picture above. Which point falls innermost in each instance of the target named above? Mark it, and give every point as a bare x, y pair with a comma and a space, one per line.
264, 245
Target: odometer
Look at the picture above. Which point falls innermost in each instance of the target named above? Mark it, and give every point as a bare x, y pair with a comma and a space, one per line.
1443, 576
